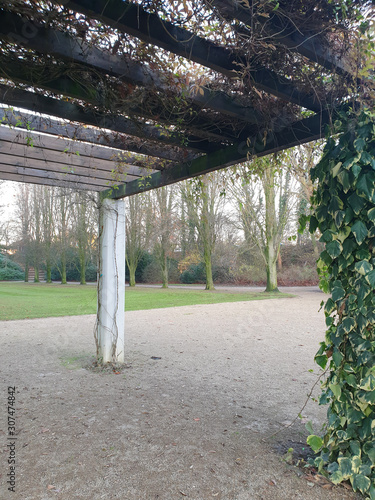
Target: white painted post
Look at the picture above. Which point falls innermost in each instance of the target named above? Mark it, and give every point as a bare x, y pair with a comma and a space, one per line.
111, 282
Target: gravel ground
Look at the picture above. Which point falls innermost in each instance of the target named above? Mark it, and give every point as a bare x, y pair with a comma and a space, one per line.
193, 424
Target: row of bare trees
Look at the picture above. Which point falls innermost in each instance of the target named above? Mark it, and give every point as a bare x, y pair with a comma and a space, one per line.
203, 220
47, 223
256, 204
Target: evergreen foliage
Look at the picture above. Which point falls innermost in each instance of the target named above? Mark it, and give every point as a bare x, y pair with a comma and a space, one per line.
344, 213
9, 270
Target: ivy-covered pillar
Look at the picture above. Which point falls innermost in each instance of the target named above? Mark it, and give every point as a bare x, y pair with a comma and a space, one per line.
344, 213
109, 333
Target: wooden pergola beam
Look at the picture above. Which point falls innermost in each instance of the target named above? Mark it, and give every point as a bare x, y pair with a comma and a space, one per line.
281, 30
74, 113
62, 45
306, 130
78, 132
198, 131
133, 19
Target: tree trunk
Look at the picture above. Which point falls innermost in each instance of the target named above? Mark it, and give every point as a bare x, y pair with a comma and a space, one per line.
48, 263
271, 268
315, 245
36, 275
271, 245
26, 272
208, 266
63, 267
164, 272
132, 270
48, 272
82, 267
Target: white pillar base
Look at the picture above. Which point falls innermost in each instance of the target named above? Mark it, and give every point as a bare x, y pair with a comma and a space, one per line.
111, 282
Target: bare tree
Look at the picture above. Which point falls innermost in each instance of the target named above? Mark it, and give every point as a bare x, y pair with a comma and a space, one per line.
137, 230
263, 194
23, 215
204, 198
62, 213
165, 225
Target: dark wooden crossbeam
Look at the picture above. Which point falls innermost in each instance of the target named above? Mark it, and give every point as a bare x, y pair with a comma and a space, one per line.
71, 111
200, 133
19, 72
306, 130
133, 19
77, 131
62, 45
63, 136
283, 31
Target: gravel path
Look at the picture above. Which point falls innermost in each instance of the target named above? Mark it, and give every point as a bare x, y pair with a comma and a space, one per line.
193, 424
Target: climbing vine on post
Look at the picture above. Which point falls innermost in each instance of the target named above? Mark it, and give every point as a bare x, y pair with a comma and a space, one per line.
344, 212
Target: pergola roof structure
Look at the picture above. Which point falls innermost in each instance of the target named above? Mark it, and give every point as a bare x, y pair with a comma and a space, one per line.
97, 94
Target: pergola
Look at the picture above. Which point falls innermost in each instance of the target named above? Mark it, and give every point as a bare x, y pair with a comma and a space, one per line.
120, 97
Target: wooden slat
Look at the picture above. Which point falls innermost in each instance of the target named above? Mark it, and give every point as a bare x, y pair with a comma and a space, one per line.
76, 127
35, 176
41, 150
99, 177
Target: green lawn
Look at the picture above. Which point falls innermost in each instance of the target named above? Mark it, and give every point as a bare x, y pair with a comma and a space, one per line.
31, 300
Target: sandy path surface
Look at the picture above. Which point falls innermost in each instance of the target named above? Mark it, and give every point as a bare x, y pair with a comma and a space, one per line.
189, 425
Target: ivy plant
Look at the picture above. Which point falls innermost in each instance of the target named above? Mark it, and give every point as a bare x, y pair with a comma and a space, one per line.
344, 213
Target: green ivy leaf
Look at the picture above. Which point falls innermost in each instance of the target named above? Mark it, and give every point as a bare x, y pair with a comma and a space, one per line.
371, 214
326, 237
365, 185
359, 144
348, 247
363, 254
356, 203
369, 449
337, 477
344, 179
361, 483
329, 307
337, 357
334, 248
338, 293
363, 267
370, 278
321, 360
336, 389
315, 442
360, 231
345, 467
336, 169
348, 324
366, 158
313, 224
367, 397
368, 383
356, 169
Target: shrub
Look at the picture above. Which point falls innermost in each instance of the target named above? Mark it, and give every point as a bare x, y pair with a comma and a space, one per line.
8, 274
9, 270
250, 274
195, 273
73, 268
152, 273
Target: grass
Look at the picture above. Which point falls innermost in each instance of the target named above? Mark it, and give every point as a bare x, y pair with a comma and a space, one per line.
34, 300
